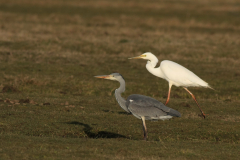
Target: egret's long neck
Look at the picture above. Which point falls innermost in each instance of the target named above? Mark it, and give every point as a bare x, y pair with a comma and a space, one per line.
151, 68
121, 101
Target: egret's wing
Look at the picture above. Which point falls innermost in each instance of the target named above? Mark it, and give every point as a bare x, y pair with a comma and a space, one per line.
180, 76
140, 105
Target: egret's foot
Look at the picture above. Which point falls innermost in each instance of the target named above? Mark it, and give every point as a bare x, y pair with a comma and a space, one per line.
204, 115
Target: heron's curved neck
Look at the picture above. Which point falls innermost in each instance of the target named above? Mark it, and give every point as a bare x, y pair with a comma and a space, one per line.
121, 101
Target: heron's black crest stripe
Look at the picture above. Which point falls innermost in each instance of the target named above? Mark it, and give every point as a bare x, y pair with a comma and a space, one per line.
121, 76
118, 74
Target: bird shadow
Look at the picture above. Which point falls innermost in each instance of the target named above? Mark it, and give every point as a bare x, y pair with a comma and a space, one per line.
105, 110
118, 112
101, 134
124, 113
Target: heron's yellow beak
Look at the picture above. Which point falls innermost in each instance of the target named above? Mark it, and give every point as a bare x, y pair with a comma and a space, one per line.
138, 57
105, 77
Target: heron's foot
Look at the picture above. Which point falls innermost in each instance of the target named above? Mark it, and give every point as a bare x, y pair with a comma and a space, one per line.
145, 138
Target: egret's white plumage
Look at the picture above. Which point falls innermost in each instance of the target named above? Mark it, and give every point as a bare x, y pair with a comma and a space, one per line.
174, 73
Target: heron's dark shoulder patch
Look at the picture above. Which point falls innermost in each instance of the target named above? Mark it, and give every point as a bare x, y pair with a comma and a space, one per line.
136, 97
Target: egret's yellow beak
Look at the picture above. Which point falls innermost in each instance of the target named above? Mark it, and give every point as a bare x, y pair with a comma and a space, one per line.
105, 77
138, 57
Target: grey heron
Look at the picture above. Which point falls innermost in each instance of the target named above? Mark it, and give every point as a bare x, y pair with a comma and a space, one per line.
142, 107
174, 73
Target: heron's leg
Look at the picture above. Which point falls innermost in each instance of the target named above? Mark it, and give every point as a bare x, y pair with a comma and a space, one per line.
144, 129
195, 101
169, 91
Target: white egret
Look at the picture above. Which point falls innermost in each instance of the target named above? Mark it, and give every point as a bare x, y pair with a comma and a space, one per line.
174, 73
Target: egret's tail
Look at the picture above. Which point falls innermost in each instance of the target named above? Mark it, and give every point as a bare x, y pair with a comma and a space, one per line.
211, 87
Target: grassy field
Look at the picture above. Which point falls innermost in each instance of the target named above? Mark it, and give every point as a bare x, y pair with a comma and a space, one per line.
52, 107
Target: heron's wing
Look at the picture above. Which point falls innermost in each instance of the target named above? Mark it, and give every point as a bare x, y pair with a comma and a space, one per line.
149, 112
146, 106
179, 75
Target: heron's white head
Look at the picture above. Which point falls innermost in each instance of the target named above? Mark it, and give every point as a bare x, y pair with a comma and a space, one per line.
148, 56
113, 76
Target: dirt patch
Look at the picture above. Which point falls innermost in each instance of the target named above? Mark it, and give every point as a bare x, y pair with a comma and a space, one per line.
184, 104
9, 88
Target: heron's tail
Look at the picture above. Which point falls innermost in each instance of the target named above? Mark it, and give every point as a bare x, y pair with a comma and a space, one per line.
174, 113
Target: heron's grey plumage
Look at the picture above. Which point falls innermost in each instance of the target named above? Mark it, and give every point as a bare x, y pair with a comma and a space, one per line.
121, 101
150, 108
142, 107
